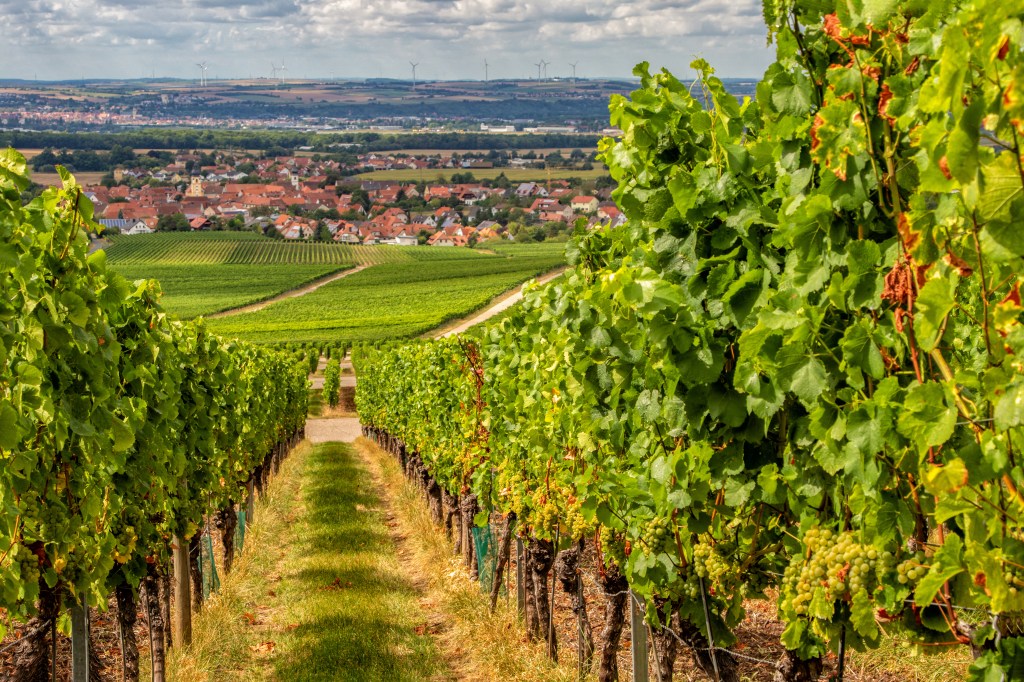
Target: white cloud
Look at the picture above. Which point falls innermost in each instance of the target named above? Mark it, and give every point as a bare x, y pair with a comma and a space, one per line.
450, 38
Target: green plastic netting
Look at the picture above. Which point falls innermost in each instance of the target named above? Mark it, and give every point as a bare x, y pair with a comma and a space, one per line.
485, 542
208, 566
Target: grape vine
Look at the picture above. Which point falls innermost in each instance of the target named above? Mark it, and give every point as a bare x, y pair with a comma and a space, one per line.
119, 428
798, 365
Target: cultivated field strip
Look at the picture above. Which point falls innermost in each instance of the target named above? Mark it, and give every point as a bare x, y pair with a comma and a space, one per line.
187, 249
394, 300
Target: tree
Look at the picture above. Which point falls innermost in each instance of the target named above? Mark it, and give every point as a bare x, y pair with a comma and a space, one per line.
174, 222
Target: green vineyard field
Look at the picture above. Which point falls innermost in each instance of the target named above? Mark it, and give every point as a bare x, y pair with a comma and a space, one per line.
393, 300
210, 272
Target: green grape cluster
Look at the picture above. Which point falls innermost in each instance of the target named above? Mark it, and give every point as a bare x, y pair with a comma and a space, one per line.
28, 562
657, 535
575, 525
713, 567
546, 519
836, 562
911, 570
613, 547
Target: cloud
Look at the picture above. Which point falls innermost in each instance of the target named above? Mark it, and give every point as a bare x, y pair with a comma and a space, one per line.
450, 38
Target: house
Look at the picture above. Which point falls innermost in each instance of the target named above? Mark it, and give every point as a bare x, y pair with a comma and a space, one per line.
200, 223
139, 227
584, 204
407, 238
530, 189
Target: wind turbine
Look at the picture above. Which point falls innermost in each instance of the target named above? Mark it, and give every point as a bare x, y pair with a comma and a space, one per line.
277, 70
538, 65
202, 73
486, 79
414, 65
573, 65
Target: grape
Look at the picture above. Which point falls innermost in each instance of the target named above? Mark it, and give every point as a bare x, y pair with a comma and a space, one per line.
837, 563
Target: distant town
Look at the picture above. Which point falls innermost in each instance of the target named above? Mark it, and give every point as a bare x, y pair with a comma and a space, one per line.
500, 106
311, 197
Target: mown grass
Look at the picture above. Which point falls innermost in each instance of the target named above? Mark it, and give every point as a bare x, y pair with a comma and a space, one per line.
478, 644
319, 594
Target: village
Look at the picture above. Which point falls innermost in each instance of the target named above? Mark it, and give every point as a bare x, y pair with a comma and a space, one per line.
302, 197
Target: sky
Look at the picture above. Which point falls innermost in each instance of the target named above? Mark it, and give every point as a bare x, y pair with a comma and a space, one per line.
450, 39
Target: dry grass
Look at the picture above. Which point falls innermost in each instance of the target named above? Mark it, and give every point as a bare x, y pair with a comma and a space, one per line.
478, 645
222, 635
84, 178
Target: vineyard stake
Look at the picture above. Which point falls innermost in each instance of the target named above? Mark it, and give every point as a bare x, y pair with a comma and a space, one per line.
520, 582
551, 603
711, 637
842, 654
79, 643
182, 594
53, 650
580, 658
250, 502
638, 639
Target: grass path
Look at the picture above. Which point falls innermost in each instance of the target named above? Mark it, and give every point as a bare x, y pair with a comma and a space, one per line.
320, 594
291, 293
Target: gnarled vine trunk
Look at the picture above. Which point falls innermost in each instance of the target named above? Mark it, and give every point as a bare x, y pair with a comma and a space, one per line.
448, 506
567, 568
666, 646
615, 588
504, 548
728, 669
164, 590
468, 510
542, 556
158, 626
791, 668
127, 614
227, 522
30, 659
434, 496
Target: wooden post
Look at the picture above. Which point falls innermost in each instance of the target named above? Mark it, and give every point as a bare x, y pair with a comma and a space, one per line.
182, 594
250, 503
638, 636
520, 577
79, 643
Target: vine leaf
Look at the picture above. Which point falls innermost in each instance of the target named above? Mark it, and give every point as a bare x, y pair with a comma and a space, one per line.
946, 564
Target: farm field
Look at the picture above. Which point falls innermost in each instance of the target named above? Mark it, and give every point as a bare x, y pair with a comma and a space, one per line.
391, 300
206, 273
53, 179
203, 289
513, 174
243, 248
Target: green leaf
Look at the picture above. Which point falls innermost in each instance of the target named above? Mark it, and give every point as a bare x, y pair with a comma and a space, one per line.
10, 432
1001, 188
926, 419
933, 303
862, 615
946, 478
1009, 410
124, 437
946, 564
859, 350
8, 256
809, 381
